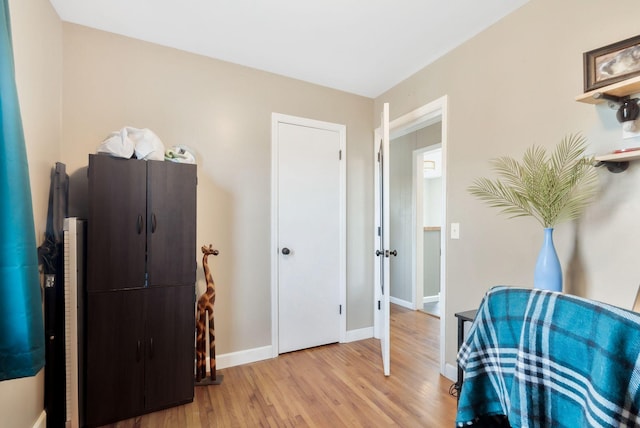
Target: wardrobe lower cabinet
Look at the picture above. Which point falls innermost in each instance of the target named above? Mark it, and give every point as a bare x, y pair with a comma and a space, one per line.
140, 352
169, 368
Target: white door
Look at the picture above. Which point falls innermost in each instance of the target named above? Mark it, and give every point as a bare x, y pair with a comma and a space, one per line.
383, 253
309, 227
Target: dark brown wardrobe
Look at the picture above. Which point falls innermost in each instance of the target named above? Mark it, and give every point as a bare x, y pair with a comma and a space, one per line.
140, 293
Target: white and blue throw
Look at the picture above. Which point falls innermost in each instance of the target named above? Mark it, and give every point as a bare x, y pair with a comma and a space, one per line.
546, 359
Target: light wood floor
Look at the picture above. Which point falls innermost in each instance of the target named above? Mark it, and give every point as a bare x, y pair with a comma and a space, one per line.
339, 385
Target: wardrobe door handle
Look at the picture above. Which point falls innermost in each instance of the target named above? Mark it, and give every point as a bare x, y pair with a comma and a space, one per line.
138, 351
140, 224
153, 223
151, 348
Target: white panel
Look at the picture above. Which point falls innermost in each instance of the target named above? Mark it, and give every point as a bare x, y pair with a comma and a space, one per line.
71, 246
382, 278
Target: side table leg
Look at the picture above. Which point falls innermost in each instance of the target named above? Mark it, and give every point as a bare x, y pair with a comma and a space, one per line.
460, 372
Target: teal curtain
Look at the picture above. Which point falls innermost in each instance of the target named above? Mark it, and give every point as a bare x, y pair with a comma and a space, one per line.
21, 323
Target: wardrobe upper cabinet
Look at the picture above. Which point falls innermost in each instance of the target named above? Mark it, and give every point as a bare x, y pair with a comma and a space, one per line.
171, 227
141, 223
116, 229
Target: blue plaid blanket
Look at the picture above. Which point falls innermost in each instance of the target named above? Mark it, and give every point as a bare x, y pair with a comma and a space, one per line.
547, 359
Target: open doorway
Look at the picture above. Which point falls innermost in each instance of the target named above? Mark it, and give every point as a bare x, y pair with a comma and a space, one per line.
407, 287
407, 211
428, 227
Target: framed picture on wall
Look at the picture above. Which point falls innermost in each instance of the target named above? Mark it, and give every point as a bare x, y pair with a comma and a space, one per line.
612, 63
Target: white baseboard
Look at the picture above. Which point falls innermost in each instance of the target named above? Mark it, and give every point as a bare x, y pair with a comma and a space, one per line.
42, 420
451, 372
233, 359
431, 299
242, 357
402, 303
359, 334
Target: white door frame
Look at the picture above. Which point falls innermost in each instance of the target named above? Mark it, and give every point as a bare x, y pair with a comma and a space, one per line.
433, 112
277, 118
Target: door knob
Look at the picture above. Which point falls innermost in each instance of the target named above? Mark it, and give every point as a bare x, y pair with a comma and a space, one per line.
394, 253
286, 251
379, 253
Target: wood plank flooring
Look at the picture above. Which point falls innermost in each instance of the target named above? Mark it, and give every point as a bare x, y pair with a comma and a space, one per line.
339, 385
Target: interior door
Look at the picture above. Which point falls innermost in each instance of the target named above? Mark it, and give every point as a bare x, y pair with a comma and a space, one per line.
383, 253
308, 234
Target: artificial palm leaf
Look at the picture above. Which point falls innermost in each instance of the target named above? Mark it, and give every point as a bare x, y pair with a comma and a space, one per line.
551, 188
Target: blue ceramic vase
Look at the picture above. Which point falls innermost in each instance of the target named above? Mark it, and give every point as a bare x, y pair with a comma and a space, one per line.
548, 273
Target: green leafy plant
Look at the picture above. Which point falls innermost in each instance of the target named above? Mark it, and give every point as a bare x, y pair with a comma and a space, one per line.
551, 188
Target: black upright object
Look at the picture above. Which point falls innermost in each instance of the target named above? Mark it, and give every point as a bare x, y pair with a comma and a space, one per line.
50, 256
463, 317
140, 294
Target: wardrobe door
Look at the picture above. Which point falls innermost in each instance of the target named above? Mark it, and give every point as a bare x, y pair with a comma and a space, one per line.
172, 223
115, 356
170, 328
117, 215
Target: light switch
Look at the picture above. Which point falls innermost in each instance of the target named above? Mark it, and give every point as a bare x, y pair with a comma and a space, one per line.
455, 230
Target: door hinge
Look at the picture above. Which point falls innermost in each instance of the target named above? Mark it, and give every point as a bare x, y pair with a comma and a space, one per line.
379, 307
379, 230
378, 157
339, 154
340, 310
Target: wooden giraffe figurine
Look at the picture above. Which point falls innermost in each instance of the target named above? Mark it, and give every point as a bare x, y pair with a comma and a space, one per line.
205, 312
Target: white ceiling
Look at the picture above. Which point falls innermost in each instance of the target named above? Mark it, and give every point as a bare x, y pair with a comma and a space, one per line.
363, 47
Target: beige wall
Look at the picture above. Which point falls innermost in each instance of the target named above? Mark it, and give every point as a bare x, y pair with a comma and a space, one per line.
37, 44
512, 86
222, 111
